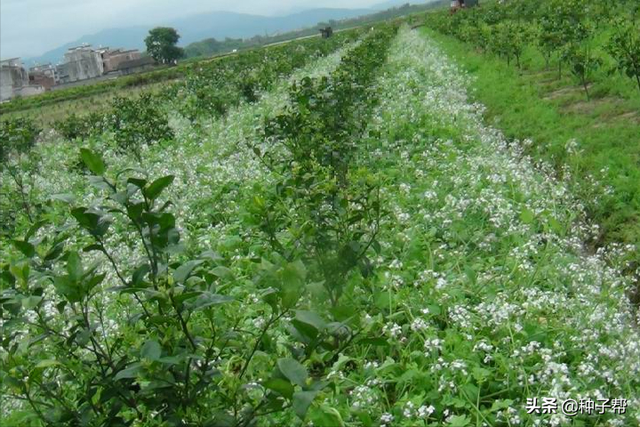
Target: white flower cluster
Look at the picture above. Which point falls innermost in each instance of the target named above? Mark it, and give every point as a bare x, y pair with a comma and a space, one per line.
500, 249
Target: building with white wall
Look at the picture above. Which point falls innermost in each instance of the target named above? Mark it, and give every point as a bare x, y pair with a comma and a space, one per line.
14, 80
80, 63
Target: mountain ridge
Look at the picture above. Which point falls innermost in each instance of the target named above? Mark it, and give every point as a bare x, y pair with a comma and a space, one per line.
218, 24
397, 3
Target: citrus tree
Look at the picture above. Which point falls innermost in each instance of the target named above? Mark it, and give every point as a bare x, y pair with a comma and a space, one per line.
624, 47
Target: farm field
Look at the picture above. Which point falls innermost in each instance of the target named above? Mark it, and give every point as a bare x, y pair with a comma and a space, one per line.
48, 110
46, 116
334, 233
564, 76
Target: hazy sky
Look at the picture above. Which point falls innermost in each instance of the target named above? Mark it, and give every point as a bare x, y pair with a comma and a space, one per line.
32, 27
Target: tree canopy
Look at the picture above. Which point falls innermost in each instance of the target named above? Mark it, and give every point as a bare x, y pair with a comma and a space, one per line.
161, 45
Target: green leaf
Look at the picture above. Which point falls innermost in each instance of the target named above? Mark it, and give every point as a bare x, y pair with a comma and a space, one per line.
293, 276
54, 252
156, 187
379, 342
84, 218
69, 289
270, 297
47, 363
556, 226
31, 302
66, 198
138, 182
480, 374
74, 266
308, 323
470, 390
208, 299
301, 402
306, 331
91, 248
151, 350
222, 272
171, 360
93, 282
185, 296
222, 419
364, 418
527, 216
214, 256
311, 318
99, 182
26, 248
280, 386
183, 272
138, 276
93, 161
459, 421
293, 370
131, 372
326, 417
96, 222
295, 271
33, 229
134, 210
499, 405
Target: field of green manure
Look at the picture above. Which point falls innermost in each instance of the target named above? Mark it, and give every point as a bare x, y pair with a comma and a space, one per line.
354, 246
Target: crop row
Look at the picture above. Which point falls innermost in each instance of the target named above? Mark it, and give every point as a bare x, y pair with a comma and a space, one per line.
171, 340
565, 30
134, 123
208, 91
129, 82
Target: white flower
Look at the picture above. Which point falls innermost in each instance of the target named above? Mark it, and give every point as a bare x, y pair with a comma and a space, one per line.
419, 325
425, 411
386, 418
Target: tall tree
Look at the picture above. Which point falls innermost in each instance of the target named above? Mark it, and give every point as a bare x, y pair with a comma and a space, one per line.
161, 45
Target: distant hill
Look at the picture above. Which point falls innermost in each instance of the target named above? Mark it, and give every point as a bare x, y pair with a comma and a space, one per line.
218, 25
396, 3
211, 46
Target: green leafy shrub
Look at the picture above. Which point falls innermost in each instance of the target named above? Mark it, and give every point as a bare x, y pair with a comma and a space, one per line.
169, 341
16, 135
135, 122
82, 127
624, 47
337, 205
211, 89
177, 354
508, 39
583, 63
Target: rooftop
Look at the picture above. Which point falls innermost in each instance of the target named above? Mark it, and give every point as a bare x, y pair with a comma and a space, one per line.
82, 46
11, 63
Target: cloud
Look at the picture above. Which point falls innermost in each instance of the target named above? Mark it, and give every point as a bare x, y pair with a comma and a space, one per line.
31, 27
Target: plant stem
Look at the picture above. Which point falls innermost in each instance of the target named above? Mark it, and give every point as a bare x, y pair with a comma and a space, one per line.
266, 327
